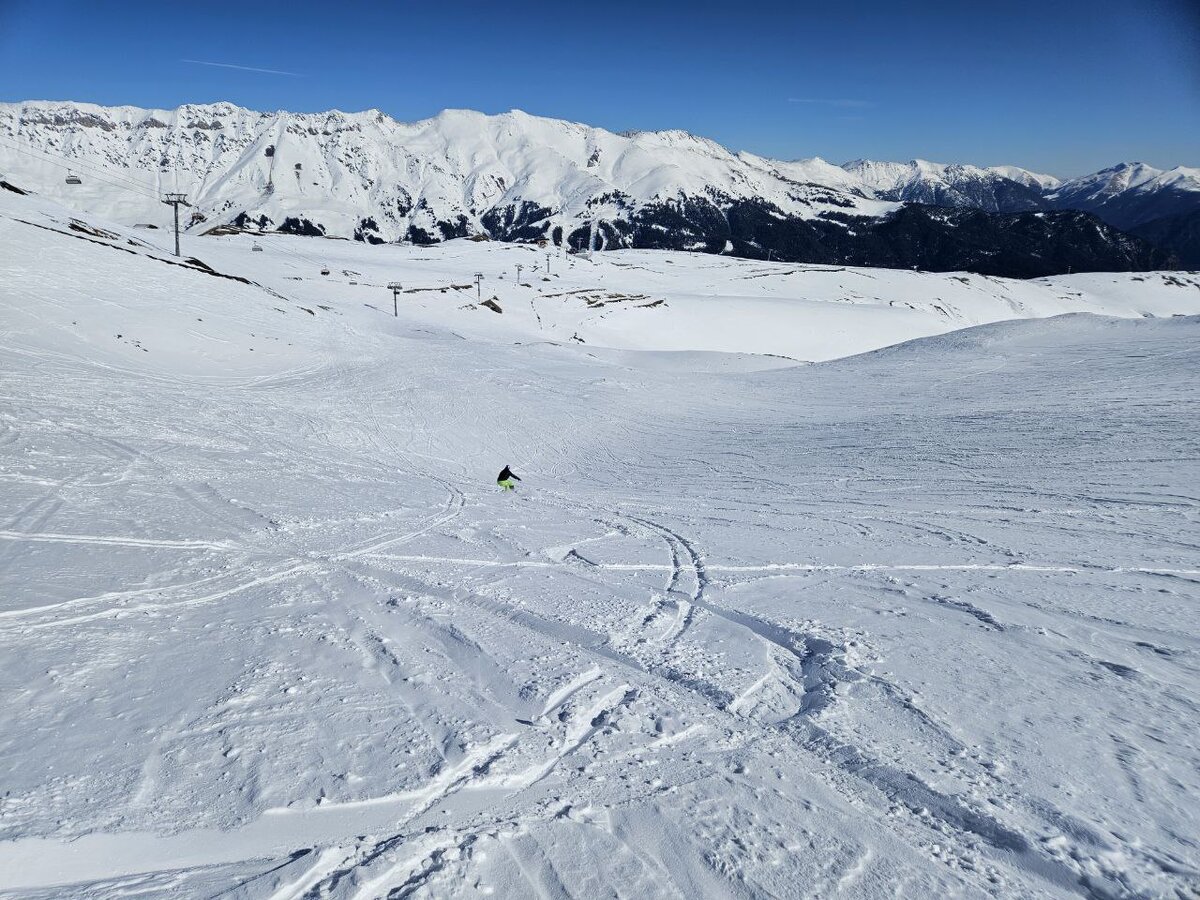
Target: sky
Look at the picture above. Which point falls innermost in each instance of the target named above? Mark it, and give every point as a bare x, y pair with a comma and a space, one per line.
1059, 86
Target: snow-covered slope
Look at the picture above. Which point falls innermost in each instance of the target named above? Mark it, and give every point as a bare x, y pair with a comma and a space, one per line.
812, 171
920, 623
630, 299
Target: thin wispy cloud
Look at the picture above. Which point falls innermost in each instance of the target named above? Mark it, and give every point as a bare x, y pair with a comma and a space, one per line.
838, 102
202, 62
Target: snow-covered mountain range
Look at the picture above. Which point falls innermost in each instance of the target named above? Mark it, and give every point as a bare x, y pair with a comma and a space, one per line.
1159, 205
520, 177
457, 173
1131, 194
994, 189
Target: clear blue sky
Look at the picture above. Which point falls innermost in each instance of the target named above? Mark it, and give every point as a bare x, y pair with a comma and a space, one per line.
1061, 86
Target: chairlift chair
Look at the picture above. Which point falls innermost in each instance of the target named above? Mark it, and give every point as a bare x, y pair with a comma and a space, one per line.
325, 270
72, 178
257, 248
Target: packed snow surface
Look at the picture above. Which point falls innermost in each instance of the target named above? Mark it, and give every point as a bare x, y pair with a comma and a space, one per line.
919, 622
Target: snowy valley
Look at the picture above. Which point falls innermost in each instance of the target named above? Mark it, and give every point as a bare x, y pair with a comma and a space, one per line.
820, 580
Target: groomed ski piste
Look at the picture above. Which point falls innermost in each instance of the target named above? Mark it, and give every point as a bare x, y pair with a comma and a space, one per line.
819, 582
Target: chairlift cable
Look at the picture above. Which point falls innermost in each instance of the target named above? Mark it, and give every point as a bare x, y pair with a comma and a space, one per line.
76, 166
81, 166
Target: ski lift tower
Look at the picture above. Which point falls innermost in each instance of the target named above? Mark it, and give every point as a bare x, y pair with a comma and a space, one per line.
478, 285
176, 201
395, 287
519, 268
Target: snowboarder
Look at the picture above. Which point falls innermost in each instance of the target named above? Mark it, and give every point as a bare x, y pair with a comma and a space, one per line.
505, 479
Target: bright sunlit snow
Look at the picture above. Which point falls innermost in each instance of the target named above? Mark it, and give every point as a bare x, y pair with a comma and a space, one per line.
920, 622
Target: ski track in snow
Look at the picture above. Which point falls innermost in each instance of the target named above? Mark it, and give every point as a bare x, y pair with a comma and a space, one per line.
859, 629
